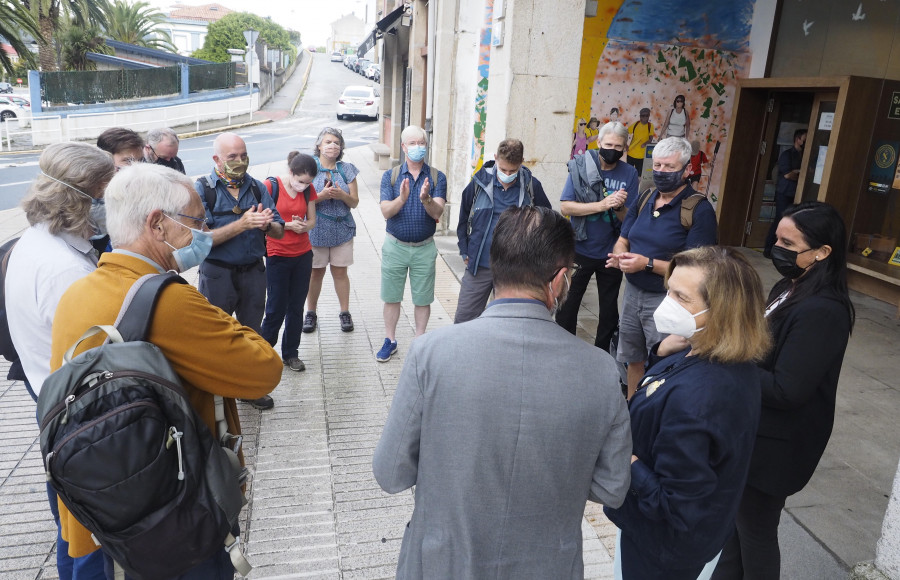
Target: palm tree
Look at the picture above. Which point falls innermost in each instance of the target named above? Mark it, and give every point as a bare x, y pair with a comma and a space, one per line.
13, 21
47, 14
77, 41
136, 24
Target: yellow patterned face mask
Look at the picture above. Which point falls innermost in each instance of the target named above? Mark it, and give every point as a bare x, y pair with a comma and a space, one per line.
237, 169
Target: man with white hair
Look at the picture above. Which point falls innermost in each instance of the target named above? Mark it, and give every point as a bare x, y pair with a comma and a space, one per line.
157, 223
599, 185
161, 148
241, 213
664, 221
412, 200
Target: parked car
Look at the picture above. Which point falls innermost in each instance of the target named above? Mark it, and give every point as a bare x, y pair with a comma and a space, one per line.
10, 111
17, 100
350, 61
372, 70
361, 65
336, 56
6, 88
359, 101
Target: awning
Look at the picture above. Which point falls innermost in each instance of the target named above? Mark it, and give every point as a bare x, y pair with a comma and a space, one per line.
367, 44
386, 24
390, 21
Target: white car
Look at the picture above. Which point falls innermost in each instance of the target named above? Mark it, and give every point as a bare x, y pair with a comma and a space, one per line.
359, 100
337, 57
11, 111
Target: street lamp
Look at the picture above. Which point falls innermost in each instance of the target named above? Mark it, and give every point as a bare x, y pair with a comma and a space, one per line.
250, 36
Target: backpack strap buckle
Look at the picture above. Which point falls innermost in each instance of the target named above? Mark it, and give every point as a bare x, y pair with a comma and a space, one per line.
238, 560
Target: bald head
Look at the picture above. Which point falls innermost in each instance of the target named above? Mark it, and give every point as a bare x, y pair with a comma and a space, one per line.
228, 147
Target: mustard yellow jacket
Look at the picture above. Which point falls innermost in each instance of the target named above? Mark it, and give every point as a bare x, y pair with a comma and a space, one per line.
211, 351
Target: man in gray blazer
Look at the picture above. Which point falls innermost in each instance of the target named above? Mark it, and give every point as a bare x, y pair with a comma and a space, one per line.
506, 424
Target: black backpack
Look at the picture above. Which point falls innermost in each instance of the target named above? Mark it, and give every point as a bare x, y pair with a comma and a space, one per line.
131, 458
7, 349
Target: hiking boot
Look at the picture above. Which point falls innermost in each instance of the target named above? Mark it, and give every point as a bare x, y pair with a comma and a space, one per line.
309, 323
346, 321
387, 350
263, 403
295, 364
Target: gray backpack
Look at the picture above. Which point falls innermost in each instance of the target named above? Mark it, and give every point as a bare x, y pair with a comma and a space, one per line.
131, 458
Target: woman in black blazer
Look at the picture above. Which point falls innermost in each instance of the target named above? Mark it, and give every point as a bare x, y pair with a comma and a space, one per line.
810, 317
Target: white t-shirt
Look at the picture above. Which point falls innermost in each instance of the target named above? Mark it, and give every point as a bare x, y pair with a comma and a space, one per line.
41, 268
676, 124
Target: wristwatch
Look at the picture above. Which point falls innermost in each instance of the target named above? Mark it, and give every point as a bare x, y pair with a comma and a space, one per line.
649, 266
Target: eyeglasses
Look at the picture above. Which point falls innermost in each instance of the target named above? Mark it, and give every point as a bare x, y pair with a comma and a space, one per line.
573, 269
201, 221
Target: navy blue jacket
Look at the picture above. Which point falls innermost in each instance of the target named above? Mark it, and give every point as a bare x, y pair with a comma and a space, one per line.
480, 191
693, 434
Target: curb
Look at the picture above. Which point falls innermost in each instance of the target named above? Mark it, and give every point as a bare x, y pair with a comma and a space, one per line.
222, 129
302, 86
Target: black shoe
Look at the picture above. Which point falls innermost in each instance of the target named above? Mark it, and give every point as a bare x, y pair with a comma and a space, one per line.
309, 323
346, 321
263, 403
295, 364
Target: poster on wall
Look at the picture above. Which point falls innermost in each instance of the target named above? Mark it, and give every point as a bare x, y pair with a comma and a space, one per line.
881, 175
820, 164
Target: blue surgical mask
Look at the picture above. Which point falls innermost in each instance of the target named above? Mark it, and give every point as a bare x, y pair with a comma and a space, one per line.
416, 153
98, 218
194, 253
506, 179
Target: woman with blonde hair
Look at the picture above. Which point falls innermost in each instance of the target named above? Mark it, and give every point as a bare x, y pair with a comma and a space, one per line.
693, 418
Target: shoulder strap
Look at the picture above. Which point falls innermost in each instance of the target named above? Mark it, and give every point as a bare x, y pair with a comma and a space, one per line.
136, 314
209, 192
7, 249
529, 188
642, 200
688, 206
274, 189
340, 169
395, 172
254, 186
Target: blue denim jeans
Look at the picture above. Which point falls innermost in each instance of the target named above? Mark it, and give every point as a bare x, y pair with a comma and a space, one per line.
287, 283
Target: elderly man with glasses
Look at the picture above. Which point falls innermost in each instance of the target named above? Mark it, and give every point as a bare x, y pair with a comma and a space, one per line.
162, 149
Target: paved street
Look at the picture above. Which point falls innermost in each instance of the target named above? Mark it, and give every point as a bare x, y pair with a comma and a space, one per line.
316, 512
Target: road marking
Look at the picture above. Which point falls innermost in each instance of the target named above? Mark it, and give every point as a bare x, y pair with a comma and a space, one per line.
16, 183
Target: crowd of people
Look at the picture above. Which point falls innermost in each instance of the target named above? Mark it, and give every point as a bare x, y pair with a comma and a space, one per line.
696, 412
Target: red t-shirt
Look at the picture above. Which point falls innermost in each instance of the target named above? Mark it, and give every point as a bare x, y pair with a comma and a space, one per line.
292, 244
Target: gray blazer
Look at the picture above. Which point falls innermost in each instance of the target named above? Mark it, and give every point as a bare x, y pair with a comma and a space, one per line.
506, 425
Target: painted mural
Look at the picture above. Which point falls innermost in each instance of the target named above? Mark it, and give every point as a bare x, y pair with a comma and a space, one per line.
476, 155
639, 55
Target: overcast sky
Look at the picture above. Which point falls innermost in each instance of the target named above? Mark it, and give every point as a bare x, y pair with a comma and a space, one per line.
312, 18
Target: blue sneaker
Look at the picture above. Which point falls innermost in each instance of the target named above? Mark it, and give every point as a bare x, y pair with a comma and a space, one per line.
387, 350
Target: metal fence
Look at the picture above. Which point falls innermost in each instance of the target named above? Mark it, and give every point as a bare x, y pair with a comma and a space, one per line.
109, 85
205, 77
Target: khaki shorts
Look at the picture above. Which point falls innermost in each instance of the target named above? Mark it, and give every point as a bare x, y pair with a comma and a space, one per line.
340, 256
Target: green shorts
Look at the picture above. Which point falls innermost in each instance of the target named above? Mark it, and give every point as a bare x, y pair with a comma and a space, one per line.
397, 259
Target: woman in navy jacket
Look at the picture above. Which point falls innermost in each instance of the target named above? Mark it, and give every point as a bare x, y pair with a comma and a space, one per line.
810, 317
693, 418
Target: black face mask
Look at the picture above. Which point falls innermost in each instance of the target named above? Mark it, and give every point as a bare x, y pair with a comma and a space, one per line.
785, 261
610, 156
667, 181
171, 163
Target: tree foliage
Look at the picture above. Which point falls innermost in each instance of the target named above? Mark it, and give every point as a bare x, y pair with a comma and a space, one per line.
15, 20
77, 41
135, 23
47, 15
229, 33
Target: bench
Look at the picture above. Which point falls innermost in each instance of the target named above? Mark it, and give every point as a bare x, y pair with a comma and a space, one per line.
382, 155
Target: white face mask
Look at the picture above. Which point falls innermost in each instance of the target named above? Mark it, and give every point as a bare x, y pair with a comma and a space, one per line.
673, 318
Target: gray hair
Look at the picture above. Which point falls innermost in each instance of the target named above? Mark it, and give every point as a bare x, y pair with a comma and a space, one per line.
329, 131
155, 136
412, 131
614, 127
80, 167
673, 146
137, 191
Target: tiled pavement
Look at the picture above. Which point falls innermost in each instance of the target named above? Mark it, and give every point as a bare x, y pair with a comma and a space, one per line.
315, 510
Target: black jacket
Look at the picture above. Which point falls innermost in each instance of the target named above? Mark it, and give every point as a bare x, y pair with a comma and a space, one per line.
799, 385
